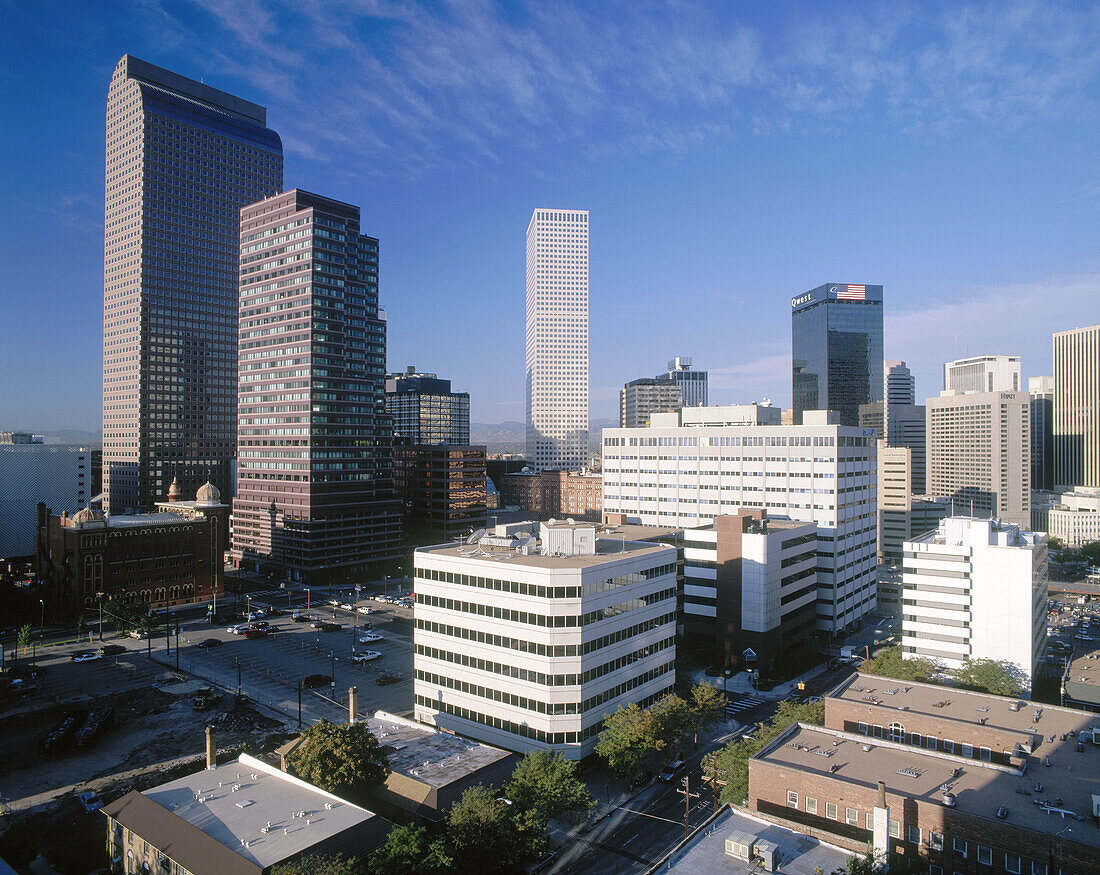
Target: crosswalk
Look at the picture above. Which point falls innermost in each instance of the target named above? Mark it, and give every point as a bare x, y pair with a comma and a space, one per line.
738, 703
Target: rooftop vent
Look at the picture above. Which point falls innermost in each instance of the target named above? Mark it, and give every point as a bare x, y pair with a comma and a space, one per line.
948, 800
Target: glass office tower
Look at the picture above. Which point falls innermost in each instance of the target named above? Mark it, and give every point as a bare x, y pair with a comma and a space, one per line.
836, 346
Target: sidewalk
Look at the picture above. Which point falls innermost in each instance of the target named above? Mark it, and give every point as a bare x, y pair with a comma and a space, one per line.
740, 684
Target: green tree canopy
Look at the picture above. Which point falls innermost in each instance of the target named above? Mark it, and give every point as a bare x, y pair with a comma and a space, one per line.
318, 864
488, 835
627, 741
410, 850
890, 663
709, 704
999, 677
344, 759
546, 784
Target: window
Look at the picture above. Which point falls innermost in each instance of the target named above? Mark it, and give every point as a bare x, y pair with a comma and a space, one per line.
935, 841
851, 816
1012, 863
869, 821
914, 835
930, 742
959, 846
897, 733
830, 810
967, 750
862, 727
1038, 869
811, 805
877, 732
948, 746
986, 754
792, 799
916, 739
895, 829
985, 855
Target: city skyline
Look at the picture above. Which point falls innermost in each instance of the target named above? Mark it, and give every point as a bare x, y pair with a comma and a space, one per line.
735, 145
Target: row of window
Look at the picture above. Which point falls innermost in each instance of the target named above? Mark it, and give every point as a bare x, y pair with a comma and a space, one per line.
569, 592
567, 621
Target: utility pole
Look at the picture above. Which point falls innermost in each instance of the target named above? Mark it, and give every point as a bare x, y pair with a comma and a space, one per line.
299, 704
687, 803
177, 644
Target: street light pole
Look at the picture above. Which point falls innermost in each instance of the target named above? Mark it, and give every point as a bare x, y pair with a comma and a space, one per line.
42, 619
99, 598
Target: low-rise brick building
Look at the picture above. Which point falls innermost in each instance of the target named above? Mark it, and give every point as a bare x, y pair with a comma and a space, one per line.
576, 494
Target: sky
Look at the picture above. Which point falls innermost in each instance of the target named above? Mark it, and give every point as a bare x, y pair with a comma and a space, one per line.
731, 154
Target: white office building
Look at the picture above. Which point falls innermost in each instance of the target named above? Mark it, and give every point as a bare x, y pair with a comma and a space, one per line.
528, 644
982, 373
817, 472
976, 588
763, 413
557, 339
693, 384
57, 475
1074, 517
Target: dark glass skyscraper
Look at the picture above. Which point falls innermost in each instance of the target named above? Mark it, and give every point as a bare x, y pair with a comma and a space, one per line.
836, 346
182, 158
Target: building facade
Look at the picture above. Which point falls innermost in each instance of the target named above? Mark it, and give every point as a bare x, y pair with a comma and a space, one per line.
575, 494
1074, 517
557, 339
764, 413
528, 645
315, 498
976, 588
818, 472
979, 453
59, 476
442, 487
906, 426
982, 373
172, 557
639, 399
182, 159
425, 410
750, 592
1041, 390
693, 384
1077, 407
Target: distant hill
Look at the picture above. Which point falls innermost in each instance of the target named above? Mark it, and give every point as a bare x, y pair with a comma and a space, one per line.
511, 436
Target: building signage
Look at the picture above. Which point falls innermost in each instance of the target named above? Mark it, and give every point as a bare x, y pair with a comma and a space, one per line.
802, 299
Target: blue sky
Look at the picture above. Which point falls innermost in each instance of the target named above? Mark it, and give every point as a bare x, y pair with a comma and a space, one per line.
732, 155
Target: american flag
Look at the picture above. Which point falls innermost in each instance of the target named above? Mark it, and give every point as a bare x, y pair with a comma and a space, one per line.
851, 293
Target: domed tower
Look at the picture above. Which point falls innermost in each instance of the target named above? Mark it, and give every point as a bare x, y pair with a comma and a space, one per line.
86, 517
174, 491
208, 494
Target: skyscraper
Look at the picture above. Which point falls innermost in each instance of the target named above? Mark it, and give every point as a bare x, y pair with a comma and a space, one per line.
639, 399
425, 410
836, 342
1041, 390
182, 158
557, 339
1077, 407
693, 384
982, 373
315, 454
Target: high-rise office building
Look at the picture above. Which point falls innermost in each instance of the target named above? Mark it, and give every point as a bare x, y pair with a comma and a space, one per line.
182, 159
59, 476
315, 496
639, 399
906, 427
1077, 407
982, 373
979, 453
557, 339
693, 384
836, 343
822, 472
1041, 390
425, 410
899, 387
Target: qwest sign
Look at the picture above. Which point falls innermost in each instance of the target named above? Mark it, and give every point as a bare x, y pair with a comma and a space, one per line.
802, 299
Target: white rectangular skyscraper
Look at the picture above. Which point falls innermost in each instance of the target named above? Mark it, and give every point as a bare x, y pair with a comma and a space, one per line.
557, 339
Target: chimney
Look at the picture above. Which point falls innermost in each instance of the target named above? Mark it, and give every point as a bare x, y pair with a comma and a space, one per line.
881, 794
353, 703
211, 749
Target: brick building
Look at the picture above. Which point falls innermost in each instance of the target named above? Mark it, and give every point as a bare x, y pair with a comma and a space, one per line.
172, 557
972, 782
555, 493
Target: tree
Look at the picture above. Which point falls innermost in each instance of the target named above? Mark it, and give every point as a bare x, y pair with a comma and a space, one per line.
127, 615
891, 663
999, 677
709, 704
732, 762
410, 850
488, 835
627, 741
344, 759
23, 639
671, 720
546, 784
318, 864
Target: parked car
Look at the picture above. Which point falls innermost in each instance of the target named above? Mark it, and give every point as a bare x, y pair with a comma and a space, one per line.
387, 679
111, 649
326, 626
140, 634
91, 801
347, 607
204, 699
255, 633
542, 862
84, 656
316, 680
210, 642
255, 615
237, 629
334, 602
366, 656
668, 773
370, 637
366, 610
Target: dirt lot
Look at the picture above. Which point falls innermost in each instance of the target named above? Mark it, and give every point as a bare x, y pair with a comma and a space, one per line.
152, 726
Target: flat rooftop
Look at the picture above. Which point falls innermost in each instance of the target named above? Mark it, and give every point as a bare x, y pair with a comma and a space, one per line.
429, 756
607, 550
207, 800
633, 532
963, 706
981, 789
122, 520
800, 855
1083, 679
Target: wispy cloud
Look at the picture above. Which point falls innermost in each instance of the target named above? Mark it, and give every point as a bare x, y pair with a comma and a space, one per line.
456, 84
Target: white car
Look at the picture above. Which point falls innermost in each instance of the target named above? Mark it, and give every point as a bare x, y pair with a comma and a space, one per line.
255, 615
334, 601
237, 630
366, 656
347, 607
366, 610
368, 638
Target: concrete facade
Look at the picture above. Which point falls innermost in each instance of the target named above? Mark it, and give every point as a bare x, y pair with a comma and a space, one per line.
640, 399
